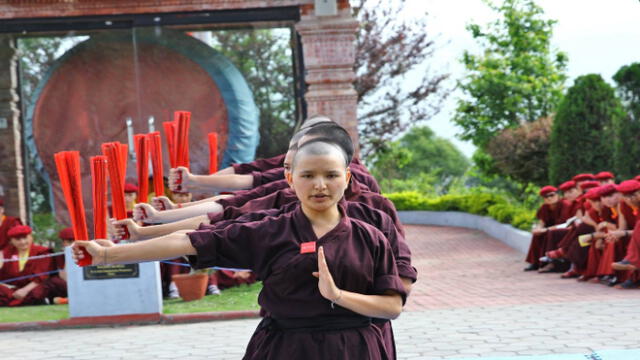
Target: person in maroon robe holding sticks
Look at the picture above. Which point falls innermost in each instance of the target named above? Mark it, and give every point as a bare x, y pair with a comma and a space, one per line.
325, 275
15, 263
6, 223
549, 214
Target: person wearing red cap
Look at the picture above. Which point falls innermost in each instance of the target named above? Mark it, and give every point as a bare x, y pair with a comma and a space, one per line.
6, 223
610, 215
549, 214
575, 251
630, 189
130, 197
605, 177
20, 292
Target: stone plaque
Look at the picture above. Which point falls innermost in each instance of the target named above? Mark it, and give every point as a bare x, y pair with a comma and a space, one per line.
102, 272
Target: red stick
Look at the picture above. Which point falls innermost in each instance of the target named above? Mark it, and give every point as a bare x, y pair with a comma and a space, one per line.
213, 152
170, 135
182, 138
142, 166
156, 162
114, 166
99, 191
68, 166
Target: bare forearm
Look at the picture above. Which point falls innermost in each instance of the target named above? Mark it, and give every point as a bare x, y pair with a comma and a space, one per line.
187, 212
148, 232
30, 286
377, 306
223, 182
209, 199
227, 171
160, 248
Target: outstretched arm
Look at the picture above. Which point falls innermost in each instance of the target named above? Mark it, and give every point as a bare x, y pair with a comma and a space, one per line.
181, 179
137, 232
166, 247
148, 214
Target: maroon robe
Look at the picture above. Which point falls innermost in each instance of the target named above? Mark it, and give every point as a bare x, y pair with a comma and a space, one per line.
549, 216
301, 323
595, 257
259, 165
225, 279
7, 223
11, 270
576, 253
633, 250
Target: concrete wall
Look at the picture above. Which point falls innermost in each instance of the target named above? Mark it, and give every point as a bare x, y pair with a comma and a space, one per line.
515, 238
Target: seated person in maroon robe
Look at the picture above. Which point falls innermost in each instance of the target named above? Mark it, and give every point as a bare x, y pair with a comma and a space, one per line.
6, 223
325, 275
629, 266
549, 214
54, 288
29, 273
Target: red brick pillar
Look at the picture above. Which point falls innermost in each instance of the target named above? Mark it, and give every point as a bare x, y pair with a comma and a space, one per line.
328, 47
11, 175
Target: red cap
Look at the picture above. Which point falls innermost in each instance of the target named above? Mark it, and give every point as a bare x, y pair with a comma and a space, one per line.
628, 186
637, 178
19, 231
593, 194
604, 175
567, 185
607, 190
66, 234
547, 189
130, 188
589, 184
584, 177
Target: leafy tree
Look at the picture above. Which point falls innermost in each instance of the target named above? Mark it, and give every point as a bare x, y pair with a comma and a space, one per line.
390, 48
627, 144
521, 153
518, 77
417, 159
264, 57
582, 133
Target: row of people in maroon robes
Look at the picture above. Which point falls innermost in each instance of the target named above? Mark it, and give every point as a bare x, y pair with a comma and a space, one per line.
589, 233
29, 274
269, 201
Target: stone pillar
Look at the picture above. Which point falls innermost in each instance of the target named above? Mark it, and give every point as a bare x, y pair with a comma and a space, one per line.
328, 47
11, 171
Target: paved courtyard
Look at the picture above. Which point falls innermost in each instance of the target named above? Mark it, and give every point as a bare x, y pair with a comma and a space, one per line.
472, 300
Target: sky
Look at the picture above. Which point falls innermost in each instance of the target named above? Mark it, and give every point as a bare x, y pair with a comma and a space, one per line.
598, 36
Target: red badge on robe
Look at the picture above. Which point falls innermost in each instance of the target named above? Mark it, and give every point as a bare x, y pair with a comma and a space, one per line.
308, 247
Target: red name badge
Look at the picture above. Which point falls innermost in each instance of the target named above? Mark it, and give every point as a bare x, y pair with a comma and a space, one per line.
308, 247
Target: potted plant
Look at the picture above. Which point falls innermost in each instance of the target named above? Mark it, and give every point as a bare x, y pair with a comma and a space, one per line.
192, 286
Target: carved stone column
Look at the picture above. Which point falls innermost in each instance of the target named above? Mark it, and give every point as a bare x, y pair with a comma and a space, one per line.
11, 171
328, 46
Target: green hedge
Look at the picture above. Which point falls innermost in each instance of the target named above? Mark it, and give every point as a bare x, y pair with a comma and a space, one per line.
485, 204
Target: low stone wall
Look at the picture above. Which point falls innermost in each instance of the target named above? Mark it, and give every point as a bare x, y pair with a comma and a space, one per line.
515, 238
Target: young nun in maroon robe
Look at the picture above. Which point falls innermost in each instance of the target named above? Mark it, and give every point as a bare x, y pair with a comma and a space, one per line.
20, 292
54, 288
576, 252
549, 214
6, 223
609, 214
627, 268
329, 318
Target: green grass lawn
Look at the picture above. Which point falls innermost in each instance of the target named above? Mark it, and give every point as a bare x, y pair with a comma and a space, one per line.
234, 299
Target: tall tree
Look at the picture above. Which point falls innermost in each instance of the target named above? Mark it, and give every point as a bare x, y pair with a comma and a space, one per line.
517, 78
419, 152
390, 48
264, 57
582, 133
627, 144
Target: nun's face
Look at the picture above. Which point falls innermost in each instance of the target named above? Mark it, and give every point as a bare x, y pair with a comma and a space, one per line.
22, 243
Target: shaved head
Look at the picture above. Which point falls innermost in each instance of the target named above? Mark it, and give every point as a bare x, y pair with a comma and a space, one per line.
314, 120
318, 147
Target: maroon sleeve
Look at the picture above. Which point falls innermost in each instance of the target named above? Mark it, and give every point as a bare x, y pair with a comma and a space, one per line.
259, 165
240, 245
42, 265
266, 177
360, 173
386, 273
